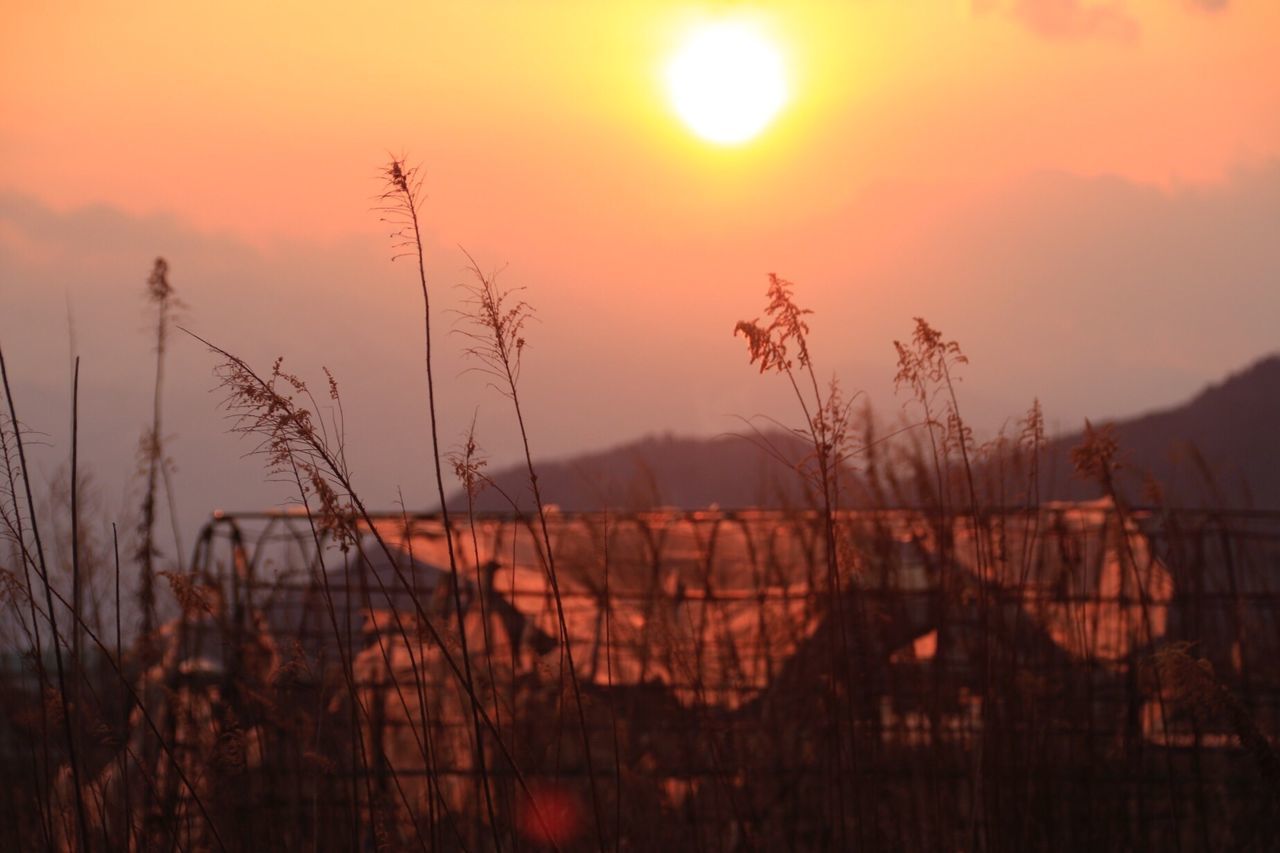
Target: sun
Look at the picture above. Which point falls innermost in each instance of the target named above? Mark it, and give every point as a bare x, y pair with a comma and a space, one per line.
727, 81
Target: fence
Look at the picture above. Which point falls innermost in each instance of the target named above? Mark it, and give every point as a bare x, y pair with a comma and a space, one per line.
1054, 679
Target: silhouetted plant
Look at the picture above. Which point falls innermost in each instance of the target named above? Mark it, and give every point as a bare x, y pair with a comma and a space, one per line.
496, 328
400, 203
154, 464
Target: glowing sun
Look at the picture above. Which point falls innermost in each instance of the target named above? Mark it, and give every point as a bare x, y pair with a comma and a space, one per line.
727, 82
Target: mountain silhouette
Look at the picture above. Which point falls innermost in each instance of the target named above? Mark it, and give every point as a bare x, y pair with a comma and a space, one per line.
1220, 449
730, 472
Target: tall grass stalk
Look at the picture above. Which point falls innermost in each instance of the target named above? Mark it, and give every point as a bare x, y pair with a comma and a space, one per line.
77, 587
289, 437
17, 532
1095, 458
926, 366
67, 721
780, 344
151, 449
126, 808
401, 200
497, 333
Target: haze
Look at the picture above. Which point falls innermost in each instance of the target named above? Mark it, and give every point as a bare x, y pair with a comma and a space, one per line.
1084, 194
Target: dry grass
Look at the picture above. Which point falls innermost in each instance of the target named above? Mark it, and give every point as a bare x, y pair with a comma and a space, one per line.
952, 664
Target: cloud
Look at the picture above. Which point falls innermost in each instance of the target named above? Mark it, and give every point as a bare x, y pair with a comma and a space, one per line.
1071, 19
1102, 296
1209, 5
1064, 277
334, 304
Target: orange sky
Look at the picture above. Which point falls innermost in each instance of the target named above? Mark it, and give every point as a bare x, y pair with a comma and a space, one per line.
1063, 185
269, 119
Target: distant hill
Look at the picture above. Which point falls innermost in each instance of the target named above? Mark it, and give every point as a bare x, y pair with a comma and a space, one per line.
1220, 449
692, 473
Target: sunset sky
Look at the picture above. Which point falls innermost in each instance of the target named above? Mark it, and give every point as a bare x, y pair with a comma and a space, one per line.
1085, 194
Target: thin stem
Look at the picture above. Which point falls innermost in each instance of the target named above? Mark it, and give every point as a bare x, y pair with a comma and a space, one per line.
73, 757
411, 208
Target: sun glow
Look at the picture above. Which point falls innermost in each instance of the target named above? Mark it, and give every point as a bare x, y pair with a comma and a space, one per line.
727, 82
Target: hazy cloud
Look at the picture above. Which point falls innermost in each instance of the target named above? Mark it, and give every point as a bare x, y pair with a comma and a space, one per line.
1102, 296
1080, 19
1069, 19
